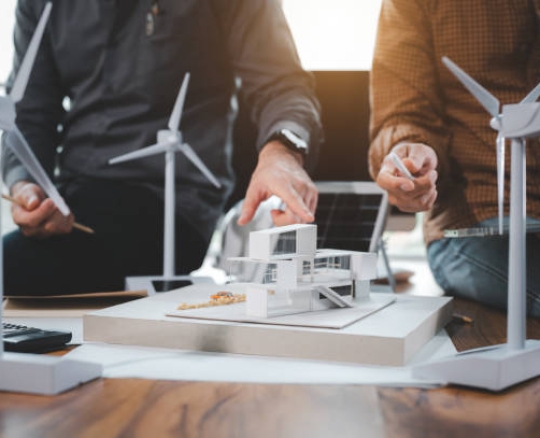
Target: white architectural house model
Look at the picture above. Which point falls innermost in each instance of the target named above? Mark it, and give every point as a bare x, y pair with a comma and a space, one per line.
299, 278
305, 303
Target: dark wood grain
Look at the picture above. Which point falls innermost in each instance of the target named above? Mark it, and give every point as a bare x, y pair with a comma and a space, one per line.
131, 407
460, 412
488, 326
456, 411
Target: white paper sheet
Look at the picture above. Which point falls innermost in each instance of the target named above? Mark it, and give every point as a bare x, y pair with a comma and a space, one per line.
164, 364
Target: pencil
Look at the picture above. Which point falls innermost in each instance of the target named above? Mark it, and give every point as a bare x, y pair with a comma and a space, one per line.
76, 225
400, 166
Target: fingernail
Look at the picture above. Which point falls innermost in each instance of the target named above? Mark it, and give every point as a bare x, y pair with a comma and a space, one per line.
406, 187
31, 200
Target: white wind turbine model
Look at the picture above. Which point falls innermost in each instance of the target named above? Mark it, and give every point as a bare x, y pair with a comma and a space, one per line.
501, 366
169, 141
18, 143
23, 372
492, 106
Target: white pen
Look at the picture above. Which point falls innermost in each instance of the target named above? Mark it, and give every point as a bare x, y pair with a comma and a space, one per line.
401, 167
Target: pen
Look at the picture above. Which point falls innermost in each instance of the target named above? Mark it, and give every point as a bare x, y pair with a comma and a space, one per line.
80, 227
401, 167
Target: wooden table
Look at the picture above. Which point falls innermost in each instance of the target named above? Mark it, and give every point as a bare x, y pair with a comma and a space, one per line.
148, 408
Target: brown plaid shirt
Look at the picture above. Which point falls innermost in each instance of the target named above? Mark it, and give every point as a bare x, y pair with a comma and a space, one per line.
415, 98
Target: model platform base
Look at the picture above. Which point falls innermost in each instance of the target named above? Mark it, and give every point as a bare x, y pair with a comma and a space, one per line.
390, 336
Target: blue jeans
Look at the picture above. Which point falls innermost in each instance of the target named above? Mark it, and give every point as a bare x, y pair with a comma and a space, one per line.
477, 268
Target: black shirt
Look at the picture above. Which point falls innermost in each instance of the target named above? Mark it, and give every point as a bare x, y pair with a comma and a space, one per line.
121, 63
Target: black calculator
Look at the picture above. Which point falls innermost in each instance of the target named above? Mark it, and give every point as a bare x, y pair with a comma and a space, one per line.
23, 339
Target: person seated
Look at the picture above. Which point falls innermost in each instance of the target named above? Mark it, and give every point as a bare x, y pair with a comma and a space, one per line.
120, 64
443, 136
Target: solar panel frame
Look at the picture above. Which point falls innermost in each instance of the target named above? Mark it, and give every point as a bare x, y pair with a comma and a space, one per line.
350, 215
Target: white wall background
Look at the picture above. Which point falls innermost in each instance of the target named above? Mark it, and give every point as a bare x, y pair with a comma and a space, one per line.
334, 34
7, 19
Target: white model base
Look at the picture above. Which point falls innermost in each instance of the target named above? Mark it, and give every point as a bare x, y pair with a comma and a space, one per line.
169, 283
389, 337
46, 375
494, 368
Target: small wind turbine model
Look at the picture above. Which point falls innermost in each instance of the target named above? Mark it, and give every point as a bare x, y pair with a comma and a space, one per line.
504, 365
23, 372
169, 141
492, 106
18, 143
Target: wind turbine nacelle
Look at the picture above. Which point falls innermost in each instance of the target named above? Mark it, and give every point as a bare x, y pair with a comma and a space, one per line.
168, 136
7, 114
521, 120
495, 123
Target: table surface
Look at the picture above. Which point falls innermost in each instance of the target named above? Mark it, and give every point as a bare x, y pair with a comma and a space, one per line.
134, 407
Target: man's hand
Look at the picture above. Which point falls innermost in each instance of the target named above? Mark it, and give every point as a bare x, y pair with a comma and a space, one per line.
411, 196
279, 172
35, 214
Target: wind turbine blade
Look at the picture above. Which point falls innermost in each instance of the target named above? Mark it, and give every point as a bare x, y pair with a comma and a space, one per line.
194, 158
7, 114
486, 99
144, 152
176, 116
19, 86
18, 144
532, 96
500, 179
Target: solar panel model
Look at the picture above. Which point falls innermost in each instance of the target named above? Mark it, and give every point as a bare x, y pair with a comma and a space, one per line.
350, 215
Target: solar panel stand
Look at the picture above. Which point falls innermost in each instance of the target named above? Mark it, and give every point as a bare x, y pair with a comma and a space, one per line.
389, 273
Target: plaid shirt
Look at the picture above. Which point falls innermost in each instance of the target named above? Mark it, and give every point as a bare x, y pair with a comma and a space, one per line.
415, 98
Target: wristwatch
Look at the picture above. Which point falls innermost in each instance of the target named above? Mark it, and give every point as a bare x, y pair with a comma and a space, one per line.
291, 140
